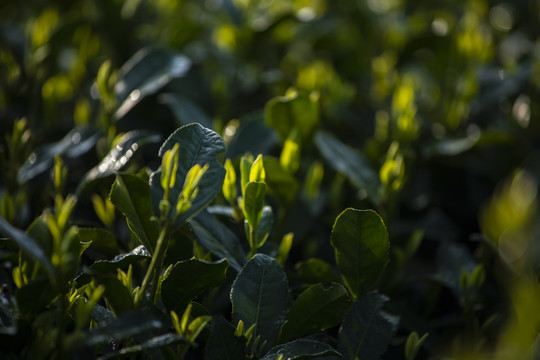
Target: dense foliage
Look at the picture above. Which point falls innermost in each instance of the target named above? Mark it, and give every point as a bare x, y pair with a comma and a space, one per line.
257, 179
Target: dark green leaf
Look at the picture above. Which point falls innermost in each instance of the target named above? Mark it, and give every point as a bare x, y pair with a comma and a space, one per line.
128, 325
281, 184
145, 73
360, 241
102, 240
301, 349
185, 110
119, 298
119, 156
452, 260
351, 163
218, 239
222, 343
317, 308
73, 145
316, 270
28, 245
188, 279
367, 329
131, 196
35, 296
154, 343
198, 145
259, 296
252, 136
254, 202
121, 261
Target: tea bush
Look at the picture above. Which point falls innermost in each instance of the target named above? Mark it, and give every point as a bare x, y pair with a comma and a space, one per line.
251, 179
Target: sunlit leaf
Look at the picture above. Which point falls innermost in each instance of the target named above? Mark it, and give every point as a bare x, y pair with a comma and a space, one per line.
145, 73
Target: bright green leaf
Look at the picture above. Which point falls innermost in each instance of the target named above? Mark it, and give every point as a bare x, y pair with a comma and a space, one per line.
254, 202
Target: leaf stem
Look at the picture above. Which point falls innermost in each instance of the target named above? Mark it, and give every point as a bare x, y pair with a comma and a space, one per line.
154, 269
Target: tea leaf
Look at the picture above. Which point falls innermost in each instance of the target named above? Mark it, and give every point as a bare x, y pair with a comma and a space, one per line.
131, 196
218, 239
351, 163
360, 241
76, 143
189, 278
301, 349
119, 156
28, 245
317, 308
259, 296
254, 202
149, 70
367, 329
222, 343
198, 145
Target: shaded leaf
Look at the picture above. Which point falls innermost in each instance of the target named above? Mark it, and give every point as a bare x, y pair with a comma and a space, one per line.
73, 145
145, 73
121, 261
35, 296
128, 325
131, 196
316, 270
198, 145
218, 239
154, 343
259, 296
185, 110
317, 308
367, 329
101, 240
301, 349
28, 245
361, 246
119, 298
119, 156
351, 163
189, 278
222, 343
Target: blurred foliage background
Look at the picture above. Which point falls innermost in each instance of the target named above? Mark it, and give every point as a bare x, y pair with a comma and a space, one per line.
426, 111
